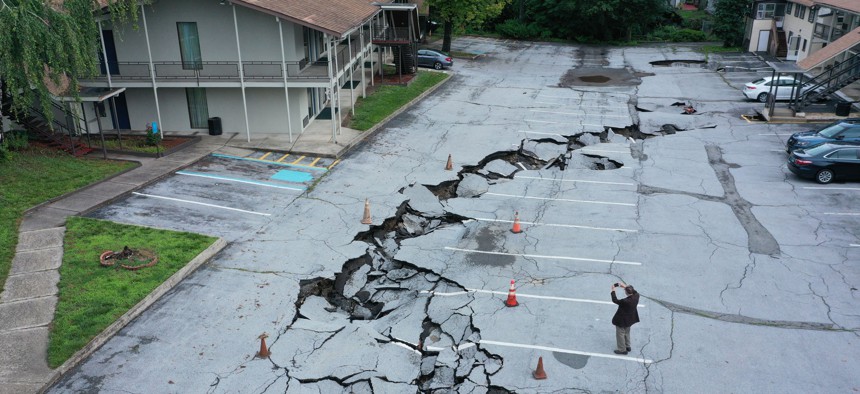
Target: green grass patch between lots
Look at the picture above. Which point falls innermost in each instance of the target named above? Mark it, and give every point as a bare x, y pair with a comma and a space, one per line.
32, 177
91, 296
389, 98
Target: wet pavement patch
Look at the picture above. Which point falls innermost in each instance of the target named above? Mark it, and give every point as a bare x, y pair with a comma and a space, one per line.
679, 62
575, 361
598, 76
488, 239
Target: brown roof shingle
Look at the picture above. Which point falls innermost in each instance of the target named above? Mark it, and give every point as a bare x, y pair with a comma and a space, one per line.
822, 55
335, 17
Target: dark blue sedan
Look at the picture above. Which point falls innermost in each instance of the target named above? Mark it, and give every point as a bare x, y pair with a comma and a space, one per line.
846, 130
826, 162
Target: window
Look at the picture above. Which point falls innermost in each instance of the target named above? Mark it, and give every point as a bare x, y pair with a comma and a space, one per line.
800, 11
845, 154
189, 45
804, 45
765, 11
198, 109
788, 8
812, 12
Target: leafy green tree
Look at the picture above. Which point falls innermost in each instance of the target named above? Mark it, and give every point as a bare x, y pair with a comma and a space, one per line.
729, 18
605, 20
459, 13
46, 45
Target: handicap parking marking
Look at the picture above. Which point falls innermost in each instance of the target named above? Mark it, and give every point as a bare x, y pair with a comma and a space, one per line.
239, 180
293, 176
538, 256
314, 162
221, 155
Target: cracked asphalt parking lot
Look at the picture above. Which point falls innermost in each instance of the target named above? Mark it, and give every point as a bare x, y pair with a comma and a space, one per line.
748, 275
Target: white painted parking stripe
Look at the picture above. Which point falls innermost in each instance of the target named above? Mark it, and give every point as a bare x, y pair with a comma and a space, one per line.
830, 188
854, 245
843, 213
200, 203
522, 166
521, 295
587, 149
559, 350
574, 123
579, 114
230, 179
564, 199
538, 132
776, 133
573, 180
538, 256
625, 230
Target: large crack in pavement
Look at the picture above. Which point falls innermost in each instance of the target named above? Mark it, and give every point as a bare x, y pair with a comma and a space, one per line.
759, 239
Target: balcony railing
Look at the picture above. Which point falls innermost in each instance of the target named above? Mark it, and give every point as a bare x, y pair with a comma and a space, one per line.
391, 35
228, 71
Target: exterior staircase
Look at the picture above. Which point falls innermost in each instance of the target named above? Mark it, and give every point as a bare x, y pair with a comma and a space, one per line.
829, 82
54, 133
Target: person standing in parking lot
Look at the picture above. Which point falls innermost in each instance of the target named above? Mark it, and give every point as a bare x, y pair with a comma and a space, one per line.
625, 317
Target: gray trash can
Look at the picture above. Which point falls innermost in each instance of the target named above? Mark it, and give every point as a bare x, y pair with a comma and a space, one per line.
215, 126
843, 108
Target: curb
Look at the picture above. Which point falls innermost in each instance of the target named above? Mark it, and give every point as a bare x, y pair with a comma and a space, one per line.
134, 312
371, 131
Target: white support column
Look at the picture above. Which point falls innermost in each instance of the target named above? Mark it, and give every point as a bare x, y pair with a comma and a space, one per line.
331, 86
104, 54
336, 86
362, 60
351, 74
152, 72
241, 73
372, 70
286, 89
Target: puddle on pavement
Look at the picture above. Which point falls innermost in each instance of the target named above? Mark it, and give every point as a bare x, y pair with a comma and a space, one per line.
595, 78
679, 63
488, 239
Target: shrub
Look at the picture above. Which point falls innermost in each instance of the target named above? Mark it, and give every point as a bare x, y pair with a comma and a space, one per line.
514, 28
14, 140
675, 34
152, 138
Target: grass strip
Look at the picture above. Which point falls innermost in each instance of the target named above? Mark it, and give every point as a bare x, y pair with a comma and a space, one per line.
389, 98
91, 296
34, 176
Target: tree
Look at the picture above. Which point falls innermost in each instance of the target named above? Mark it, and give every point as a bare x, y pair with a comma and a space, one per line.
605, 20
46, 44
459, 13
729, 18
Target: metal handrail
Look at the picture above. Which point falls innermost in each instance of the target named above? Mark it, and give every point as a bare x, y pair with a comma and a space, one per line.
830, 81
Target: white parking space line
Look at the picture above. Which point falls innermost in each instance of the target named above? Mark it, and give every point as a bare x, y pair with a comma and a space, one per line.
775, 133
520, 295
573, 123
854, 245
624, 230
579, 114
587, 149
573, 180
562, 199
537, 132
538, 256
559, 350
830, 188
199, 203
843, 213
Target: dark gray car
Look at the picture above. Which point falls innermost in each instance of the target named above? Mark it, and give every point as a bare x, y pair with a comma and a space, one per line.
431, 58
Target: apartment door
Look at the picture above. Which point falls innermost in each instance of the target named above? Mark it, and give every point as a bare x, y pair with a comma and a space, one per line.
122, 121
763, 40
110, 48
793, 48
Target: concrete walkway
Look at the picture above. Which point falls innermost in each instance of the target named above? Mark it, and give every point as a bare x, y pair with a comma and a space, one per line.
29, 297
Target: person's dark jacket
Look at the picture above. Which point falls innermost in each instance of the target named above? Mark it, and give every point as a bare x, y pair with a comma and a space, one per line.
626, 315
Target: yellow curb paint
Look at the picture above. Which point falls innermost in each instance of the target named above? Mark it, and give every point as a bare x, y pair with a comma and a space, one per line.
266, 155
313, 163
282, 158
298, 160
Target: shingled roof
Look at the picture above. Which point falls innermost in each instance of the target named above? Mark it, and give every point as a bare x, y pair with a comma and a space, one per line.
334, 17
822, 55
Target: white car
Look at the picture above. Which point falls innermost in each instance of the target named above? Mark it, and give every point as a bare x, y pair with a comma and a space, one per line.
760, 89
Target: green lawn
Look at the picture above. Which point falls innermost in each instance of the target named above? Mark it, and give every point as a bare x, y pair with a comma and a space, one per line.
388, 98
32, 177
91, 296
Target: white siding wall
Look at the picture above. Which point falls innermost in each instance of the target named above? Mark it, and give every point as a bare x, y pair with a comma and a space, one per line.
800, 27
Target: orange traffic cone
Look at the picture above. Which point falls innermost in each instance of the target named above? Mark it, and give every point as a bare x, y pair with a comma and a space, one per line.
366, 219
449, 166
516, 229
539, 373
512, 296
264, 351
